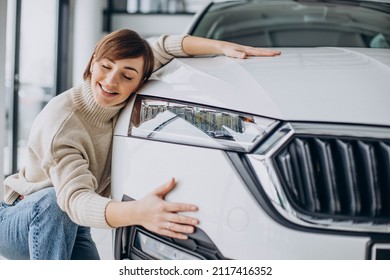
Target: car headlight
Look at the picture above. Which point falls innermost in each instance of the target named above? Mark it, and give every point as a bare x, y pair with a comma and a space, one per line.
177, 122
160, 250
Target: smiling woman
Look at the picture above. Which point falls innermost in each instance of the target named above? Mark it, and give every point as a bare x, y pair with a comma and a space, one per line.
64, 188
114, 81
118, 70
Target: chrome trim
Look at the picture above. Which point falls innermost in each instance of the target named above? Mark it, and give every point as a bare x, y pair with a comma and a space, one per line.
265, 170
342, 130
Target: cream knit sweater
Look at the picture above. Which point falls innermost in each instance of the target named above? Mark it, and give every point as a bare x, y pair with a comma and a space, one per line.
70, 148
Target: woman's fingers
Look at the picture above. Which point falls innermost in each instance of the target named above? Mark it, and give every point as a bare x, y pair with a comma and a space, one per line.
176, 230
181, 228
262, 52
180, 207
180, 219
177, 221
165, 189
163, 217
239, 51
251, 51
176, 225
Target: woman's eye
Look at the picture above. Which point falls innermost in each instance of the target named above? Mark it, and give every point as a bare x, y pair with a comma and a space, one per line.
127, 78
105, 66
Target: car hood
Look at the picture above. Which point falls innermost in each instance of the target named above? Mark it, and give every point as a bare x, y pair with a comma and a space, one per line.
303, 84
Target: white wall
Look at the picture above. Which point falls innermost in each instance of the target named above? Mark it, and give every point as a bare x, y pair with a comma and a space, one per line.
3, 19
87, 30
152, 25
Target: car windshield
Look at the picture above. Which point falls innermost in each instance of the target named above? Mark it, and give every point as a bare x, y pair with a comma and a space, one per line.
308, 23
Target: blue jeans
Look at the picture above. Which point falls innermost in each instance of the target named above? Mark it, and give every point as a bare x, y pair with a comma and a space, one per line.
36, 228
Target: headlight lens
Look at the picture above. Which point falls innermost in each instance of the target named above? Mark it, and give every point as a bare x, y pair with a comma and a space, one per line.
160, 250
177, 122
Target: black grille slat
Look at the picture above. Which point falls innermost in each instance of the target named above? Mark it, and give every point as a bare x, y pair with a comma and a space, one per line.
287, 169
296, 180
369, 180
344, 178
308, 180
331, 199
384, 176
350, 192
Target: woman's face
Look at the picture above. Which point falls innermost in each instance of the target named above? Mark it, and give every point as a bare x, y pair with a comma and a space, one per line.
113, 81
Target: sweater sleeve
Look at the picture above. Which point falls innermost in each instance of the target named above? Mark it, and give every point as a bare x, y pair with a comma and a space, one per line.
68, 165
166, 47
75, 187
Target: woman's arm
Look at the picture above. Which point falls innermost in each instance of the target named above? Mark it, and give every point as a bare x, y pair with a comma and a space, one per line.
201, 46
76, 186
166, 47
154, 213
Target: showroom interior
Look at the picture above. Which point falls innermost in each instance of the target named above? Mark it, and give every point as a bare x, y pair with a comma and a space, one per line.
45, 45
274, 136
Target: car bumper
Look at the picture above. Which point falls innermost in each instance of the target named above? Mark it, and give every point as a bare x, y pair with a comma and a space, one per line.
230, 215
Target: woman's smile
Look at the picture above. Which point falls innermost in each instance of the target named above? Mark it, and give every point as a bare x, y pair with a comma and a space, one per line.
112, 82
107, 92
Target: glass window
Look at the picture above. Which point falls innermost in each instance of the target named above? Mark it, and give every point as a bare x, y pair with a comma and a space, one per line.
36, 70
298, 24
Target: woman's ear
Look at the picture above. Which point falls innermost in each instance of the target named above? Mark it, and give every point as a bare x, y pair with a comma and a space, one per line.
92, 63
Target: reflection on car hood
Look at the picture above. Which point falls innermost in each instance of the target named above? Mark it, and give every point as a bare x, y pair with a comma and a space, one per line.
313, 84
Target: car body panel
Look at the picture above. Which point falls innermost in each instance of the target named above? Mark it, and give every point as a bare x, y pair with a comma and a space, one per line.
332, 92
300, 85
204, 177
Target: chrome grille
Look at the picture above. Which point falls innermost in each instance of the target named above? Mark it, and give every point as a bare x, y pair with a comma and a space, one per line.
341, 178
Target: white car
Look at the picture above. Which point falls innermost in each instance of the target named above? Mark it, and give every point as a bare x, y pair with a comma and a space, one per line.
287, 157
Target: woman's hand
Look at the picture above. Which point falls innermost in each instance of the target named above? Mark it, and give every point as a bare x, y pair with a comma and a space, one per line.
193, 45
162, 217
241, 51
154, 213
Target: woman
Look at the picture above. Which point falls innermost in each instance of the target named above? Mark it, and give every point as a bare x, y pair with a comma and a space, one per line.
64, 188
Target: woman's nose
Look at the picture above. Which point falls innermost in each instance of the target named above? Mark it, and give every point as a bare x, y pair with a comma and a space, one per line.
112, 78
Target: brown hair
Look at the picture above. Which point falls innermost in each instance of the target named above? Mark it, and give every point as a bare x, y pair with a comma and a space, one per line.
122, 44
